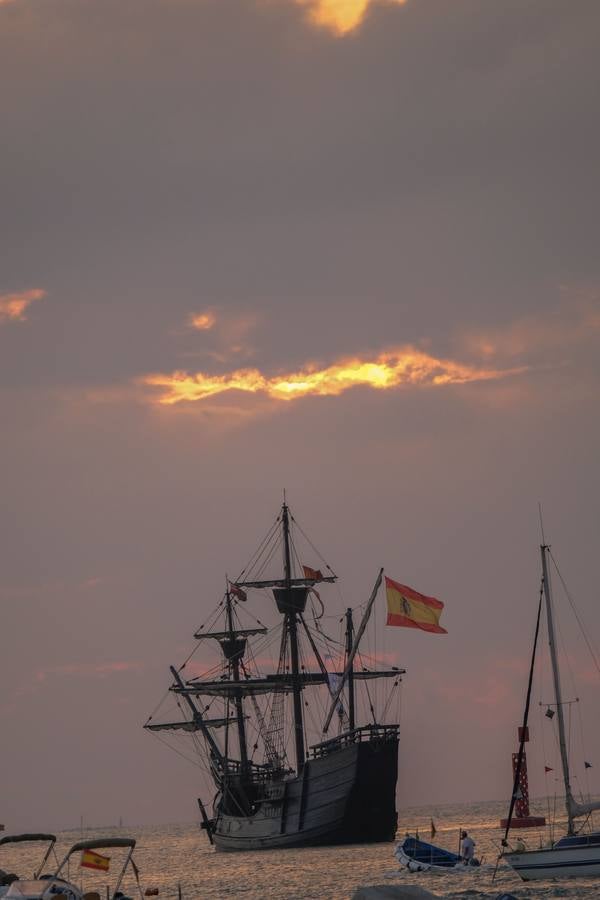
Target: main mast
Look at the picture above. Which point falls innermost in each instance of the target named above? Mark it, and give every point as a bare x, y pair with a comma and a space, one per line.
349, 643
291, 623
557, 688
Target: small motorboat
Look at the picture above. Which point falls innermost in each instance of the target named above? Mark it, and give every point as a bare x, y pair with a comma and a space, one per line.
419, 856
7, 878
55, 887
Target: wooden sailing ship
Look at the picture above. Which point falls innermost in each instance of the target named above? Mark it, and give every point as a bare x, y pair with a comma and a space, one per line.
273, 789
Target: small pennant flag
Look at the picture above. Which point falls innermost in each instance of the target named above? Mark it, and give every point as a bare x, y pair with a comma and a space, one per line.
92, 860
312, 574
587, 765
238, 592
409, 609
548, 769
433, 829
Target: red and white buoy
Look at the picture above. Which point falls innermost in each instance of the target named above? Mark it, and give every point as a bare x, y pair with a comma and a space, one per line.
521, 817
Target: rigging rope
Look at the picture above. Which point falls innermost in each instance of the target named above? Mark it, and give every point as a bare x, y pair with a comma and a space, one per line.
576, 614
308, 540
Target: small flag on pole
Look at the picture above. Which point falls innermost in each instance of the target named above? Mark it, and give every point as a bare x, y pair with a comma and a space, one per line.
588, 765
91, 860
409, 609
312, 574
238, 592
548, 769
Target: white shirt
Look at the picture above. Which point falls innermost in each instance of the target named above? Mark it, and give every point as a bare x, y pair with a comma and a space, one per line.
467, 848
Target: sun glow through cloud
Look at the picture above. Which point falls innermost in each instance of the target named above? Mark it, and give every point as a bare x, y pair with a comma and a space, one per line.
403, 366
13, 306
203, 321
340, 16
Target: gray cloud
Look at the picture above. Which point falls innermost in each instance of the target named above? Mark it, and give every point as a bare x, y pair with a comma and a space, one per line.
430, 179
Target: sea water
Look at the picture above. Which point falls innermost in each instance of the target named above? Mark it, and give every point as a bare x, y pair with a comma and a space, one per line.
173, 856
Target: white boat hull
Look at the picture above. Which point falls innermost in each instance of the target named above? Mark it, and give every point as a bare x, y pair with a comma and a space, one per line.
414, 865
563, 862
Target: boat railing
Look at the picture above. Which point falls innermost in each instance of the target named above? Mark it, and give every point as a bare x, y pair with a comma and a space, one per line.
366, 733
256, 772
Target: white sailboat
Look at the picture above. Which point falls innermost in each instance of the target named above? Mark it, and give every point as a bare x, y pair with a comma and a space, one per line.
575, 854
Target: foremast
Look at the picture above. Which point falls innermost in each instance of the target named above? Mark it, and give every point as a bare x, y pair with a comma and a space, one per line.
234, 651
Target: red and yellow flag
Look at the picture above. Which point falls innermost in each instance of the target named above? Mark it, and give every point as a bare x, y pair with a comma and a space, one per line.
410, 609
314, 574
91, 860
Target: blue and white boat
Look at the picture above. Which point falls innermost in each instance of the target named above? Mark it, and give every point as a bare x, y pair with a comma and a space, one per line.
419, 856
575, 854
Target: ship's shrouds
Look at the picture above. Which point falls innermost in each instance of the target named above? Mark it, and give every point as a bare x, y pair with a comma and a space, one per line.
273, 787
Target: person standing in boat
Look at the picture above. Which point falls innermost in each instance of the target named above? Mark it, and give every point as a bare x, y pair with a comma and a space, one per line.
467, 847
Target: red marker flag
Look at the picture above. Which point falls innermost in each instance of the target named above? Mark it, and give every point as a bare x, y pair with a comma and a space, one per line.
548, 769
238, 592
313, 574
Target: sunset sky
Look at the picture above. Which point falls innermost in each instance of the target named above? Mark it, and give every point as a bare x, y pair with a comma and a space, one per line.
341, 247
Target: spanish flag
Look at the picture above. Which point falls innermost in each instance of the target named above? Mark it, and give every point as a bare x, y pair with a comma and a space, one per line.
410, 609
91, 860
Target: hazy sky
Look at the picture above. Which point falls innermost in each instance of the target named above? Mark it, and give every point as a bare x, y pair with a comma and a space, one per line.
341, 247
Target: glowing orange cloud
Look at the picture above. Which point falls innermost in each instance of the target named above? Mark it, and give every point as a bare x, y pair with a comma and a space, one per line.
13, 306
203, 321
339, 16
404, 366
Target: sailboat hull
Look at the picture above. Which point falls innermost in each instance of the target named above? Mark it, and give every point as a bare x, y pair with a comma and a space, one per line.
345, 796
567, 861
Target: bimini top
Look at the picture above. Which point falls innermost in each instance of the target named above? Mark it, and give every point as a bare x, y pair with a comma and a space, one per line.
21, 838
102, 843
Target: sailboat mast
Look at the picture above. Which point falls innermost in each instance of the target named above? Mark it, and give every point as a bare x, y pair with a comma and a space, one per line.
557, 689
291, 624
239, 707
349, 643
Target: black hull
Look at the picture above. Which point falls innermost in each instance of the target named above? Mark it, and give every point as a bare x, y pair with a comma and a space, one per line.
347, 795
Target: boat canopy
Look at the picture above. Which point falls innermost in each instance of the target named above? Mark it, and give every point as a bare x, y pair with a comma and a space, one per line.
22, 838
102, 844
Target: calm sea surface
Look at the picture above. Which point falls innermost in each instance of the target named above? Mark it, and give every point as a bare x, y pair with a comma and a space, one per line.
172, 855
